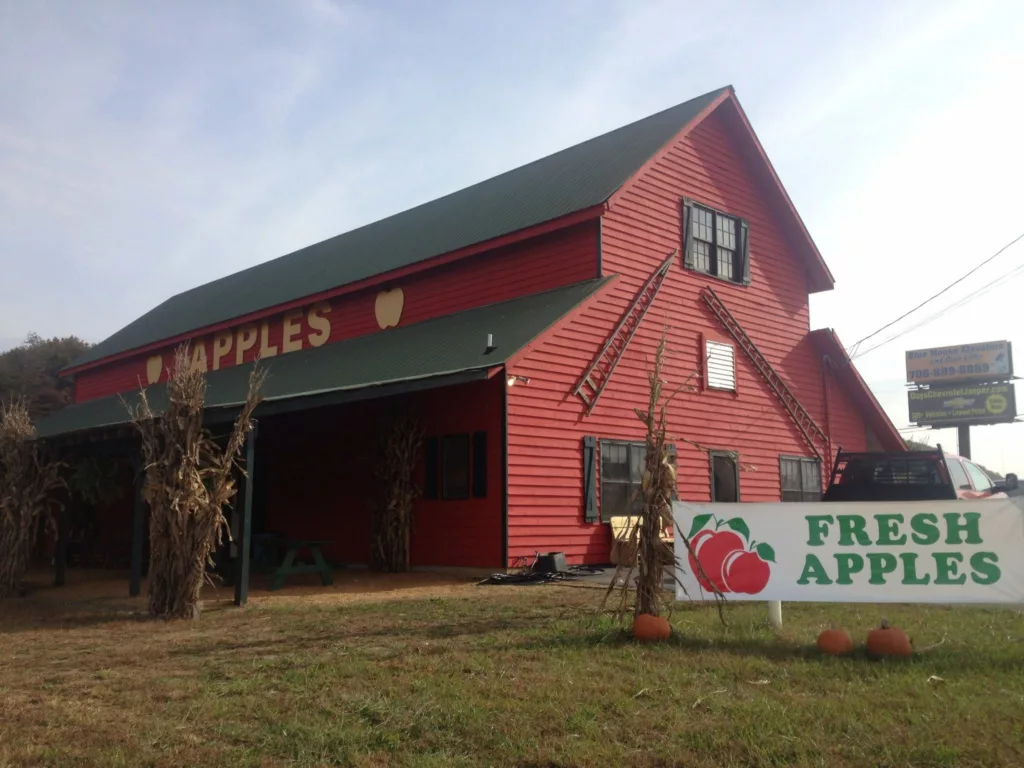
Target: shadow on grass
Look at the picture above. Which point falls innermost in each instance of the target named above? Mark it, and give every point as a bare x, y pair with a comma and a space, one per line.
398, 636
946, 660
616, 637
369, 640
81, 616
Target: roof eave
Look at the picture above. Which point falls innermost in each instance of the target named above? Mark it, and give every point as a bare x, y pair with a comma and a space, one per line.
511, 238
571, 316
878, 419
412, 356
819, 276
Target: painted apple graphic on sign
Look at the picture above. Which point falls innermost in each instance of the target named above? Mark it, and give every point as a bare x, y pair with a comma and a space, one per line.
724, 559
745, 572
710, 548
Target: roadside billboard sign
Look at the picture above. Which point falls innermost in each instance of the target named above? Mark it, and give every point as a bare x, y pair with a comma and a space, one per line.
990, 360
968, 404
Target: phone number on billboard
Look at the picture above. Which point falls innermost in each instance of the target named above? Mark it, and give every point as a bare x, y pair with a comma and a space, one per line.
952, 370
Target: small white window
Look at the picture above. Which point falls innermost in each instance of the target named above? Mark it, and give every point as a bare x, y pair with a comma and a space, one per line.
721, 362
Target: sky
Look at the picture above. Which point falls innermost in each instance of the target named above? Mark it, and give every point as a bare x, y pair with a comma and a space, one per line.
149, 147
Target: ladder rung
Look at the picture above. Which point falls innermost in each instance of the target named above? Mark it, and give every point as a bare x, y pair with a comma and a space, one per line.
608, 358
803, 420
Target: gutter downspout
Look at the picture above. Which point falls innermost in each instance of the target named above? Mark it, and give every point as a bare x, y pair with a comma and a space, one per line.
826, 366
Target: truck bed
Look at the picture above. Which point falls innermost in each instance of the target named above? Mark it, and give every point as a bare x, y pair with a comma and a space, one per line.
914, 476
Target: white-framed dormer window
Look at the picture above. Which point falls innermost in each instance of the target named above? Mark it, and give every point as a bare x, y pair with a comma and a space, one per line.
720, 365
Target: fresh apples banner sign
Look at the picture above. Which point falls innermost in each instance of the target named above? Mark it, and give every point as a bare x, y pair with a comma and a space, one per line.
900, 552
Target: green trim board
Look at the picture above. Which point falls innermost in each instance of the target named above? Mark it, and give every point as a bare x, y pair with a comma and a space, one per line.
440, 349
567, 182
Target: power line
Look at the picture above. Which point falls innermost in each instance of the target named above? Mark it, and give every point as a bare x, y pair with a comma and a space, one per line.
977, 293
853, 349
1015, 272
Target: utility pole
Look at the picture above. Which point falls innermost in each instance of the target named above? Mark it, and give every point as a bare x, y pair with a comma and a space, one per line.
963, 440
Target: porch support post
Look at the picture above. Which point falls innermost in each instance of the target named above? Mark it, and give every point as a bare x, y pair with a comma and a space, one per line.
138, 532
245, 520
61, 555
504, 466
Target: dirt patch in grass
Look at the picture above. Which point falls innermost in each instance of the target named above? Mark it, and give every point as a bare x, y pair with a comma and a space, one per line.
427, 674
92, 597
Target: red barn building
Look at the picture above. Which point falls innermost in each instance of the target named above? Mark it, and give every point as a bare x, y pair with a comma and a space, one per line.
517, 318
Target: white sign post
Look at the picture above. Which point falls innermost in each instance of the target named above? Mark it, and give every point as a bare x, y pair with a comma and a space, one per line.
873, 552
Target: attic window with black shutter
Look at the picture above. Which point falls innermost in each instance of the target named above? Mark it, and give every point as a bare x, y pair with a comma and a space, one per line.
715, 243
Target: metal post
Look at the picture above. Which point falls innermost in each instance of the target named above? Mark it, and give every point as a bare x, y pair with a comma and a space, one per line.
61, 555
138, 533
775, 613
963, 440
245, 521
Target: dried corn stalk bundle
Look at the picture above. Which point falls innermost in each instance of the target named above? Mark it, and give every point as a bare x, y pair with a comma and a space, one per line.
399, 446
189, 479
655, 556
27, 485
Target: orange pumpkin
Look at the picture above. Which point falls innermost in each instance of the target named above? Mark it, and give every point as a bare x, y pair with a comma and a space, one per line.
835, 642
888, 641
647, 627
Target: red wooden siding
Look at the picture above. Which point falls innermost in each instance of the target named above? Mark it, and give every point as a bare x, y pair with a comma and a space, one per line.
317, 471
546, 422
550, 261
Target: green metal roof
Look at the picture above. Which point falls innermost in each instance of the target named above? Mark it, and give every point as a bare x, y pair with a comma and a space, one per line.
563, 183
435, 348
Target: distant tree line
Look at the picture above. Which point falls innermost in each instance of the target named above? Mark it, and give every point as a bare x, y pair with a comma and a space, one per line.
31, 371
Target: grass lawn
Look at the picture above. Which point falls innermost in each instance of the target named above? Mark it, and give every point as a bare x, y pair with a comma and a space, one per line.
502, 676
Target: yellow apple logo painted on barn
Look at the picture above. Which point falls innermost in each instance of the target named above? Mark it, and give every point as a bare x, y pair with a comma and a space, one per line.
388, 307
154, 367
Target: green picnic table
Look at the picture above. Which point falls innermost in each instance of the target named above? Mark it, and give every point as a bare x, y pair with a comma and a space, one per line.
291, 565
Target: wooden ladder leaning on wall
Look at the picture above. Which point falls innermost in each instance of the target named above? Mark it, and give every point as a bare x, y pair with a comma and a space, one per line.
600, 371
812, 433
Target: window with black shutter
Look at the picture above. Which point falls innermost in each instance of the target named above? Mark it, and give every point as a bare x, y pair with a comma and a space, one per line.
479, 465
622, 472
590, 479
455, 480
622, 468
431, 467
455, 467
716, 243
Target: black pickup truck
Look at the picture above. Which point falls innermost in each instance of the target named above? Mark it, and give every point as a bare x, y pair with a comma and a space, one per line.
912, 476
